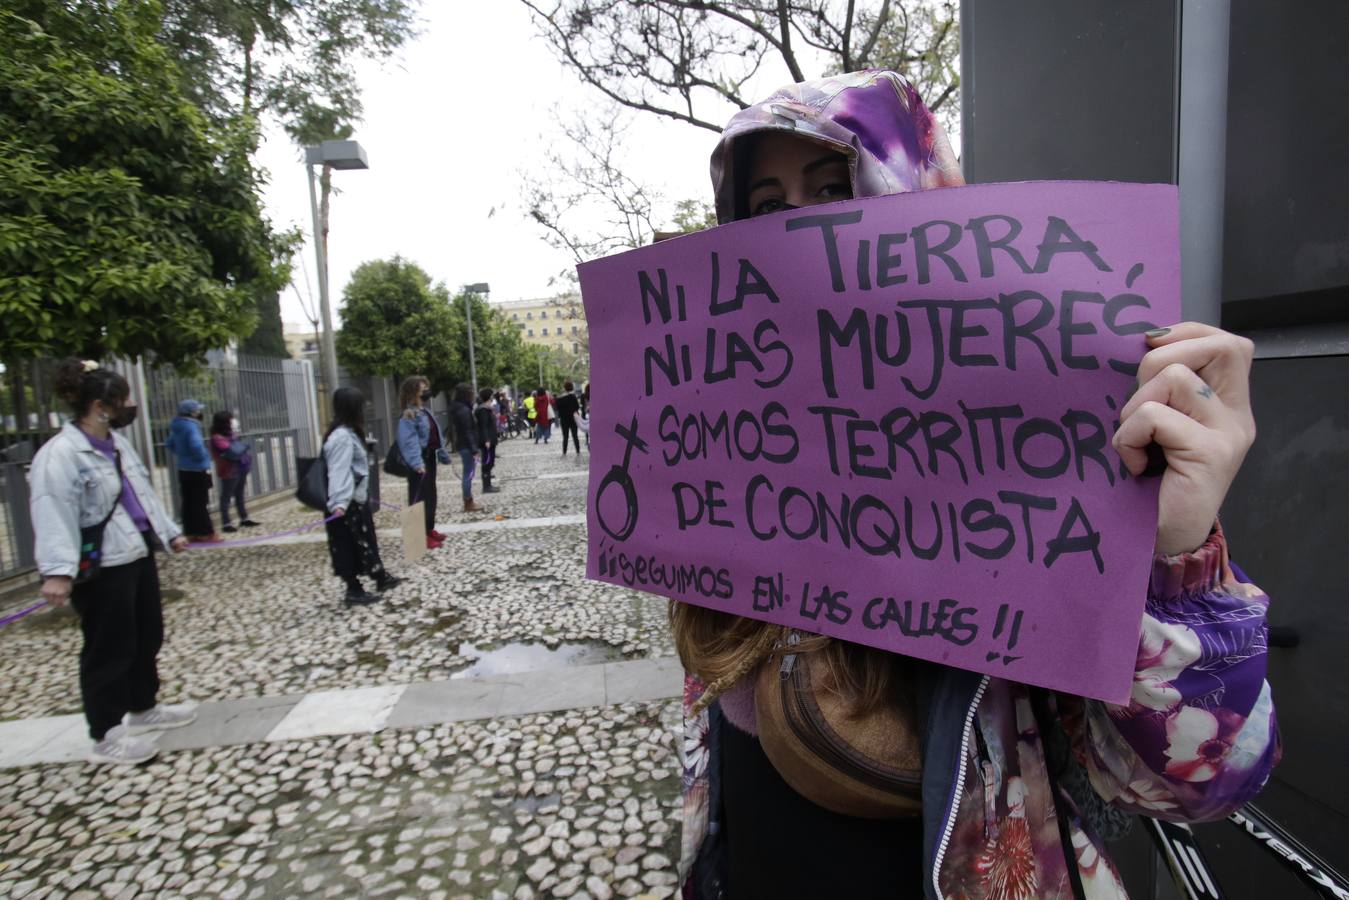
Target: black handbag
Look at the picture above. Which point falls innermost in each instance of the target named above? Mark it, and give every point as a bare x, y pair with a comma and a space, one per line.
395, 464
91, 537
312, 489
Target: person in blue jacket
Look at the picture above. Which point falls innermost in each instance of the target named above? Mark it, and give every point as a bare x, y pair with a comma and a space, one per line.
420, 442
188, 446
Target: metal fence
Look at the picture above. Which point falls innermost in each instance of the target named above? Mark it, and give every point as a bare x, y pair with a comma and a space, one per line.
273, 399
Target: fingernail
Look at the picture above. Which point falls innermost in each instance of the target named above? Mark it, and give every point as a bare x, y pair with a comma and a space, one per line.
1157, 332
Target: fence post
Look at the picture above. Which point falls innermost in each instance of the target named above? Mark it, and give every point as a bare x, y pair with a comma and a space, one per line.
20, 524
139, 432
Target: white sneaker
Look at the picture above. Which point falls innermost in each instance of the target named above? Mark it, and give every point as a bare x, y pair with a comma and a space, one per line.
120, 748
160, 718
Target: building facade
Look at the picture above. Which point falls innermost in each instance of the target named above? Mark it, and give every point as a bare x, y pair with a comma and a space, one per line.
554, 322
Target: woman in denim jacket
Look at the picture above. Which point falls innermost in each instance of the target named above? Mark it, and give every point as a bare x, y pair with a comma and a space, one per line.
85, 472
422, 447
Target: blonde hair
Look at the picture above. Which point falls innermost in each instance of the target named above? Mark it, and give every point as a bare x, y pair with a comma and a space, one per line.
721, 648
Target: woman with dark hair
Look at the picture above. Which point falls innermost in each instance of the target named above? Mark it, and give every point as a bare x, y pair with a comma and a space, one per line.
465, 440
1006, 790
233, 461
87, 481
568, 407
486, 419
194, 471
351, 536
420, 443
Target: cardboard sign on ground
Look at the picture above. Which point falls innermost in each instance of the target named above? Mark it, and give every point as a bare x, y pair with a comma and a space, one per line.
889, 420
414, 532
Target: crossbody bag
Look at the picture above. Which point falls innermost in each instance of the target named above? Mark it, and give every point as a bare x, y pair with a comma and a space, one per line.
91, 537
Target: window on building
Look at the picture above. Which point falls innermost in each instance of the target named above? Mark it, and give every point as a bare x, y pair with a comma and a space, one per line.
575, 347
529, 315
574, 329
531, 332
543, 314
545, 332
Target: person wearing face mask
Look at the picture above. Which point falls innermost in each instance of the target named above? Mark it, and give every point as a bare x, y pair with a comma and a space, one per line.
233, 462
188, 446
88, 474
422, 447
940, 782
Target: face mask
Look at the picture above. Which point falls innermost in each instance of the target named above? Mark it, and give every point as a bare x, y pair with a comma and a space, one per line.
123, 417
234, 424
426, 396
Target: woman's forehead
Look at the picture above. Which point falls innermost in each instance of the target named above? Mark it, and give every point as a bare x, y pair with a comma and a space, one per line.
783, 149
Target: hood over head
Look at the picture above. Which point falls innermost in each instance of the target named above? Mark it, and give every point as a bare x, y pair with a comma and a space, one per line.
874, 118
189, 408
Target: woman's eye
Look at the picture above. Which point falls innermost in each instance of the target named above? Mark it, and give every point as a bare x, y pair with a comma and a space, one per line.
837, 190
769, 205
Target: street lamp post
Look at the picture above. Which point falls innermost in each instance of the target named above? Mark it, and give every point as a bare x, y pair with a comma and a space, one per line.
333, 155
483, 288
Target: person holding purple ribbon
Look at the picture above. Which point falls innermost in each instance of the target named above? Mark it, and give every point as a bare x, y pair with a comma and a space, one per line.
86, 479
1007, 791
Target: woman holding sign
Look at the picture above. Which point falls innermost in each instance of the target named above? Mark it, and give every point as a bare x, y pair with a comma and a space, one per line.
903, 778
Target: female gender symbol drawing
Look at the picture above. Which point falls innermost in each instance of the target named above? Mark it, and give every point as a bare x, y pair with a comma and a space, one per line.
618, 475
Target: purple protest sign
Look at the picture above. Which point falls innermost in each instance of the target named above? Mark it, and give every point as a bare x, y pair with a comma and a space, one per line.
889, 420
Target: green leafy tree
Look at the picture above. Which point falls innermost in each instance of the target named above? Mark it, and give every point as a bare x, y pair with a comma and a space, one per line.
294, 60
129, 222
396, 322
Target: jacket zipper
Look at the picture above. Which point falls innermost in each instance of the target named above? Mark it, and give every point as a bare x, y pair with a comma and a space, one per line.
806, 725
949, 825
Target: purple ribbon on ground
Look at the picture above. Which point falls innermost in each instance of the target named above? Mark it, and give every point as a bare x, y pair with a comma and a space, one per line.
21, 613
242, 542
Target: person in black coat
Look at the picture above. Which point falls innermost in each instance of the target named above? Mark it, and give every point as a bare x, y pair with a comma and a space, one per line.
568, 408
486, 419
465, 440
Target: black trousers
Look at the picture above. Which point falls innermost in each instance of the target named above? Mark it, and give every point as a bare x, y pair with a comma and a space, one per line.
194, 488
869, 858
489, 459
352, 544
123, 625
569, 427
423, 488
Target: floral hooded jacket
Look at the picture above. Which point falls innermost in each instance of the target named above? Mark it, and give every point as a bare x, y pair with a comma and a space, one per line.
1008, 807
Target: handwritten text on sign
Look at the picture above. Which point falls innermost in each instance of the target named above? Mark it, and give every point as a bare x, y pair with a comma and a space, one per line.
889, 420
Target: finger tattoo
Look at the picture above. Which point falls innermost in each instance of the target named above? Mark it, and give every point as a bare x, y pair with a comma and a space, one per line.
1206, 391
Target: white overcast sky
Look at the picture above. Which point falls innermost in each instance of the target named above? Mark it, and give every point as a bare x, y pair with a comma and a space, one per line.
450, 130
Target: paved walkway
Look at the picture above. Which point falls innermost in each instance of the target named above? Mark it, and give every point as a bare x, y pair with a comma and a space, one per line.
431, 746
55, 739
